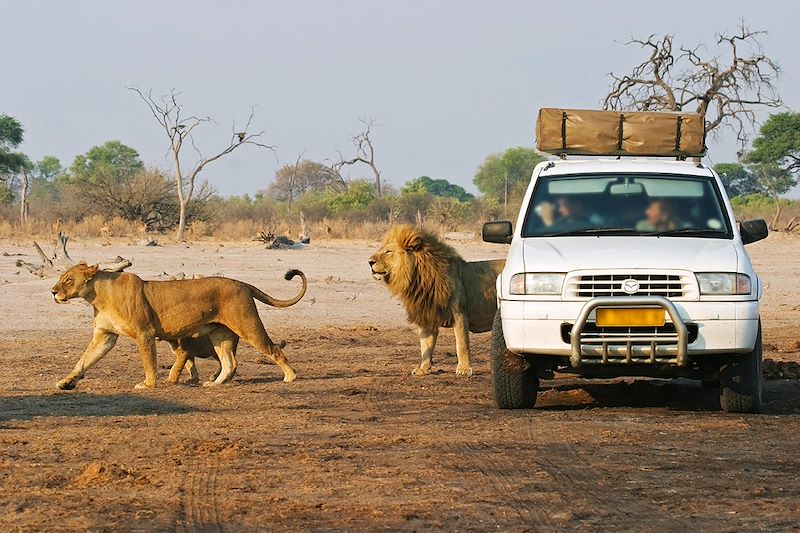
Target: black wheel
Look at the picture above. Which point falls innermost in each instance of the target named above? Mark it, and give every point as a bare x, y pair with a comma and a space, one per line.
514, 380
742, 382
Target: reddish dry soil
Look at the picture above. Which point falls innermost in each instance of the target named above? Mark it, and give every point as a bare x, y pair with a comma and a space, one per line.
357, 444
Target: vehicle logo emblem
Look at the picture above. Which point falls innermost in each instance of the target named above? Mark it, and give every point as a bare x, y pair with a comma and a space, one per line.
630, 286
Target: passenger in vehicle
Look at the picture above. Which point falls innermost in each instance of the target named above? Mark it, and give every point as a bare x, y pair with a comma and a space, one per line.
574, 215
659, 216
568, 214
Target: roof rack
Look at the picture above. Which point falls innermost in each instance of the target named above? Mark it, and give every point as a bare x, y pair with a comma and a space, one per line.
563, 132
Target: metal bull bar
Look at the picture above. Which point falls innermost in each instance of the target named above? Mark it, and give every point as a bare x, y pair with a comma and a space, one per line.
681, 331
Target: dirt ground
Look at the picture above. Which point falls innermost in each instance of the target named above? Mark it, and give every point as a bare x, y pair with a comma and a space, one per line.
357, 444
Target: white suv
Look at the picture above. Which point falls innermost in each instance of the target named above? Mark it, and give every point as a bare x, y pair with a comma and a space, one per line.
627, 267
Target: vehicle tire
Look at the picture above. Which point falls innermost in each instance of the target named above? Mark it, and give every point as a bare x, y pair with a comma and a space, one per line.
742, 381
515, 381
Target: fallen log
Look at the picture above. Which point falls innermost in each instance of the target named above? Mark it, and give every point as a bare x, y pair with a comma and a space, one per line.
60, 261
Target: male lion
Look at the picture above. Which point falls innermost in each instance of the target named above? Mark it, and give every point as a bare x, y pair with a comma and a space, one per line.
124, 304
438, 289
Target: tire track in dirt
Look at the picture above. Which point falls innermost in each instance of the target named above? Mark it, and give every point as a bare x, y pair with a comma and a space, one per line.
530, 512
578, 477
199, 500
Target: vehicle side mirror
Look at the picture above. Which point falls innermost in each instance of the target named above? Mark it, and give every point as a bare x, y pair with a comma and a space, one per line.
753, 230
499, 232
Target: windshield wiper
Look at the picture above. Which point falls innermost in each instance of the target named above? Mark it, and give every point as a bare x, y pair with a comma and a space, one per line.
686, 231
590, 231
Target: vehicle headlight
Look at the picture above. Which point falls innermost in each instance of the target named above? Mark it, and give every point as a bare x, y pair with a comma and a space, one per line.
722, 283
536, 283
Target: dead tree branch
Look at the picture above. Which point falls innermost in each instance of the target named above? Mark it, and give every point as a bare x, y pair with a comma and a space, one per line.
168, 112
727, 92
60, 260
365, 153
292, 179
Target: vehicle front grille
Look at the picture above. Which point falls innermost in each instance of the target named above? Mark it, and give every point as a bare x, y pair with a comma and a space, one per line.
670, 285
625, 334
629, 345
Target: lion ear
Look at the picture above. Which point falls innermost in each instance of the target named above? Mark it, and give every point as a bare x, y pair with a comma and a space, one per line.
412, 242
82, 263
91, 270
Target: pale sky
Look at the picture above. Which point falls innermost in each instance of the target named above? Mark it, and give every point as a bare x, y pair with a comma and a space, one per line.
448, 82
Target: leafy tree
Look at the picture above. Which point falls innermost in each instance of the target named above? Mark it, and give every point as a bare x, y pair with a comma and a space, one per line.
11, 162
293, 180
500, 173
42, 190
11, 135
774, 181
436, 187
778, 142
754, 178
775, 158
763, 180
109, 161
47, 169
15, 167
358, 196
737, 178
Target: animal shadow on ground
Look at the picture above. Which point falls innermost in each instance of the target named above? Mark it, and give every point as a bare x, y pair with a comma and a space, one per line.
82, 404
781, 397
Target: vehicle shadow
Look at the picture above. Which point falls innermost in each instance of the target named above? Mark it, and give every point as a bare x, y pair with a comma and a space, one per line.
781, 397
83, 404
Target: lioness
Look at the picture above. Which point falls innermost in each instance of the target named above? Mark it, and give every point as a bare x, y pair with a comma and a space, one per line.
438, 289
124, 304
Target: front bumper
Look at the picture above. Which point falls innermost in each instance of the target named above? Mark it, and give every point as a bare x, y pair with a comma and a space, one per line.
650, 348
535, 328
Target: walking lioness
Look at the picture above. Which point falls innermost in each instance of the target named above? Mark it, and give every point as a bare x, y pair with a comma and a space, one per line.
124, 304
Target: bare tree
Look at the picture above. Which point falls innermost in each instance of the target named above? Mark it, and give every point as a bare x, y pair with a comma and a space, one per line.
726, 92
292, 179
365, 153
24, 188
178, 128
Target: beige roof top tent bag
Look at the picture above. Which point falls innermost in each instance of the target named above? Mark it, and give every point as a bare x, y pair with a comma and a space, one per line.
632, 133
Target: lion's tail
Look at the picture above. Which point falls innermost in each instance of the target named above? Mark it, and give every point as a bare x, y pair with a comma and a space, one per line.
262, 296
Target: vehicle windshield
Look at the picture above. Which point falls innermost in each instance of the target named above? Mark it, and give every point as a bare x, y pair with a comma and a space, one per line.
626, 204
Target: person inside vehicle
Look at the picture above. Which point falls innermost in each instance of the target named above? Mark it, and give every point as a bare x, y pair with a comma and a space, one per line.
574, 215
659, 216
568, 214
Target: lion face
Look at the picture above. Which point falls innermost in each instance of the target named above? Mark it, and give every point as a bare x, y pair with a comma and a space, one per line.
74, 282
395, 257
384, 260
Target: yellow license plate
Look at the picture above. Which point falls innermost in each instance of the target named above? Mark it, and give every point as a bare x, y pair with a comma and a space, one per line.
609, 317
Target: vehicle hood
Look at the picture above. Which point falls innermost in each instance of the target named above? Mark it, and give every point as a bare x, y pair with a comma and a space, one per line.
565, 254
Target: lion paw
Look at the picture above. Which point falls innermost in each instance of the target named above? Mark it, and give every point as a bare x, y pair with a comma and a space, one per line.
289, 377
144, 385
464, 371
421, 371
210, 384
67, 383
